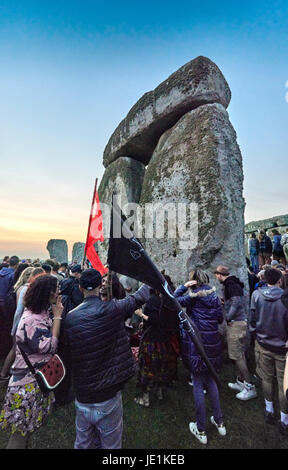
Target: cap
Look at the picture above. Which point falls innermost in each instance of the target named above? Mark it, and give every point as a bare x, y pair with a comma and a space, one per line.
274, 262
222, 270
90, 279
76, 269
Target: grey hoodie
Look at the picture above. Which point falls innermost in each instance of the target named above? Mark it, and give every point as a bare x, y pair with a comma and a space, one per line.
269, 319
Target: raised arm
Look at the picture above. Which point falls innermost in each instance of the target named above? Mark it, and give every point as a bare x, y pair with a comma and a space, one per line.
127, 306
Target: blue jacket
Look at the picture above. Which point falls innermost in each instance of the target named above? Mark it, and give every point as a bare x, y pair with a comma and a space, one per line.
265, 245
204, 308
6, 282
253, 244
277, 247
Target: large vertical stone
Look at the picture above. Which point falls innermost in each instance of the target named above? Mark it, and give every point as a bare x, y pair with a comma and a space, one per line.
199, 161
124, 178
78, 252
58, 249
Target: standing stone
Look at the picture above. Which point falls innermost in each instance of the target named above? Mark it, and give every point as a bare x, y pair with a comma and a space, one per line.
199, 161
198, 82
58, 249
123, 177
78, 252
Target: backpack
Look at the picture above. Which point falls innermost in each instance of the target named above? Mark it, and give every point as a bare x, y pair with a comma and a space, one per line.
10, 303
277, 248
67, 305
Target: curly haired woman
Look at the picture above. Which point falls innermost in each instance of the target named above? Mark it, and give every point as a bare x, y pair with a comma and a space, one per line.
25, 406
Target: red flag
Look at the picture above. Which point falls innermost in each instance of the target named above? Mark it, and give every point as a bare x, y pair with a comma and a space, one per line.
95, 233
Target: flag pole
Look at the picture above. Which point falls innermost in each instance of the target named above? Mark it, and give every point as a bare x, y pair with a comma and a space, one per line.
89, 223
186, 322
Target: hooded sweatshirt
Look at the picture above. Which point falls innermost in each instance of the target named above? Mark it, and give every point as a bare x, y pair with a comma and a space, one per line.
269, 319
234, 301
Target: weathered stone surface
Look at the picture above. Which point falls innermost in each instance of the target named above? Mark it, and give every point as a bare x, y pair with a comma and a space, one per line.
124, 177
58, 249
78, 252
280, 221
199, 161
196, 83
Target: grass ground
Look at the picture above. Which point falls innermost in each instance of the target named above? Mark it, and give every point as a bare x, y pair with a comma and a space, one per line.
165, 425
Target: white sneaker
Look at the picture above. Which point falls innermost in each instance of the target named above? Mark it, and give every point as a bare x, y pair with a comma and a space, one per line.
248, 392
192, 385
220, 427
237, 386
201, 436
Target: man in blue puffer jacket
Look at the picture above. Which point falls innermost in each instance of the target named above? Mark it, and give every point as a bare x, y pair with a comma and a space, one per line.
102, 362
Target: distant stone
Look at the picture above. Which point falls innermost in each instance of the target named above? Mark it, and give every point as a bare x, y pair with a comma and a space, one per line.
198, 161
280, 221
58, 249
78, 252
198, 82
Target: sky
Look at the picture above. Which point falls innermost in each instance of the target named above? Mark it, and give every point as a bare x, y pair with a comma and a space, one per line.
70, 72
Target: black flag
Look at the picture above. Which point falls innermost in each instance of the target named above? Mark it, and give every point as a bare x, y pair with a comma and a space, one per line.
127, 256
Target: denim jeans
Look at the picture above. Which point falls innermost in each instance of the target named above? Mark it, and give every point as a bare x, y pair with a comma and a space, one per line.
205, 380
99, 425
255, 263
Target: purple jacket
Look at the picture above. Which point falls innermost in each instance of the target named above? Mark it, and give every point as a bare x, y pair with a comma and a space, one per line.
204, 308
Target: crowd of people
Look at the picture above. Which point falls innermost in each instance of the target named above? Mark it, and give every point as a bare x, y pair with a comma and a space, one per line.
106, 330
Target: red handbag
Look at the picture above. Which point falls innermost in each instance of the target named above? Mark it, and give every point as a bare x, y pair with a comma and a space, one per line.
50, 375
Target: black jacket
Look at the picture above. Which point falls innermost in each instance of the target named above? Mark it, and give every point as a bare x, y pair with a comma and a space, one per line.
101, 356
162, 319
234, 301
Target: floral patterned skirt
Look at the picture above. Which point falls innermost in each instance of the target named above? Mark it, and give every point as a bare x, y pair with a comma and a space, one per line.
157, 365
25, 408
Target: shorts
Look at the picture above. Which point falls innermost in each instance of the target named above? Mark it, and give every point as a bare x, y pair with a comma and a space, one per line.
236, 339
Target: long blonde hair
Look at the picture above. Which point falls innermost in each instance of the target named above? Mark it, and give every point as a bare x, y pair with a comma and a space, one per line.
24, 277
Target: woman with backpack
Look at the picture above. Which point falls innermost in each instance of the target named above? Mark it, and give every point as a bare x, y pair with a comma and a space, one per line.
204, 308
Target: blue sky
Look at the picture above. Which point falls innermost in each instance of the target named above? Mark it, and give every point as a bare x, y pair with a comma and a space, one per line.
71, 70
